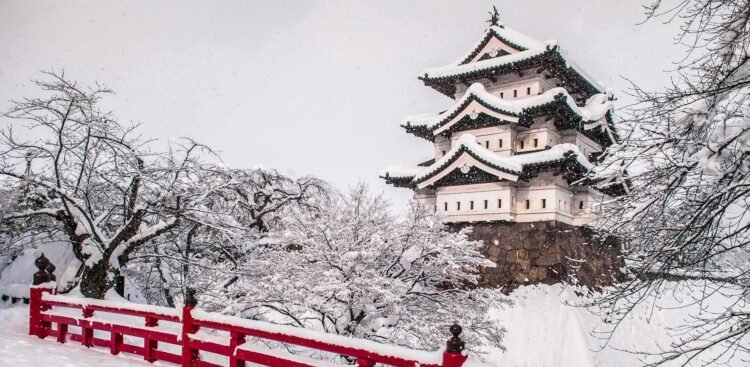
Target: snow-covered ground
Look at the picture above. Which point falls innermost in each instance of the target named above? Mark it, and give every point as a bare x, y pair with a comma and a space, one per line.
542, 331
18, 349
545, 331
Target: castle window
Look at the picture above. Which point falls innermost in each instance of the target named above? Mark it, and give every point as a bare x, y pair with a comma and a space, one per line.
485, 204
487, 144
544, 203
515, 93
443, 153
500, 143
502, 95
499, 203
528, 91
536, 143
580, 205
521, 144
528, 204
458, 205
445, 206
471, 205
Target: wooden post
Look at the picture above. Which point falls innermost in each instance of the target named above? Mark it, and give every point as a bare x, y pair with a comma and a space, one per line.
189, 355
36, 305
453, 355
149, 346
62, 332
235, 339
35, 312
87, 333
115, 342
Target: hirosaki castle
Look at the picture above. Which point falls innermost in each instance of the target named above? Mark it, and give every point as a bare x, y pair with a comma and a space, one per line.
524, 124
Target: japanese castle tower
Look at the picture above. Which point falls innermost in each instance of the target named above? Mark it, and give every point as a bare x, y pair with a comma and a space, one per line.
512, 149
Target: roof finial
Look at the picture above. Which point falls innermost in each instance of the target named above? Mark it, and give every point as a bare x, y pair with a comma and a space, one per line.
494, 17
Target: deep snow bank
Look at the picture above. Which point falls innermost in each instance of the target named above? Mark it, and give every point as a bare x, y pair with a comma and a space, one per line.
544, 331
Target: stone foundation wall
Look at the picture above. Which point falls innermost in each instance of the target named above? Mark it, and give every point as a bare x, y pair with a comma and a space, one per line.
546, 252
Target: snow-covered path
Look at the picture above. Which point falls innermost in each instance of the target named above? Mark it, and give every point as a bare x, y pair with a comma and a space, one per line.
18, 349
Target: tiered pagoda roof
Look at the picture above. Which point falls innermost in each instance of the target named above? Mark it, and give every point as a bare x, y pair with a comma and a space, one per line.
488, 166
505, 56
516, 54
593, 118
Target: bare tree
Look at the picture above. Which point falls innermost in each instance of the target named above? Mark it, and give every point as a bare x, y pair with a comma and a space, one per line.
107, 191
685, 163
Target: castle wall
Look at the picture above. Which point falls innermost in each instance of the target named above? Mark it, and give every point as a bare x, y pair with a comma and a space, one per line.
545, 198
545, 252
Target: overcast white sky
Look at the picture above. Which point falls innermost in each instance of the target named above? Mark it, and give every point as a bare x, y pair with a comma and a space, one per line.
307, 87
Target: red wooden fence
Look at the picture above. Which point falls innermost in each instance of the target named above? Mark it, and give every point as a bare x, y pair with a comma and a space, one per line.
47, 309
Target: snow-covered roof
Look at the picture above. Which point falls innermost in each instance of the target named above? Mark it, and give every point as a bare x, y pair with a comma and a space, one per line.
595, 109
506, 35
527, 49
468, 143
514, 165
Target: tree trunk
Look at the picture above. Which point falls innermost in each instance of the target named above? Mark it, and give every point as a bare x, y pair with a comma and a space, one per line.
97, 279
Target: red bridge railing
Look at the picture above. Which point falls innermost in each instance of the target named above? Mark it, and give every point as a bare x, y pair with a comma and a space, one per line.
53, 315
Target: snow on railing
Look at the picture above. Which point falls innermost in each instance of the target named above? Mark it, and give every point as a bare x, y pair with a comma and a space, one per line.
48, 309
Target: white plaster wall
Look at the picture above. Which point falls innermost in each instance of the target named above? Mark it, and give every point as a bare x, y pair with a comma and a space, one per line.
516, 90
497, 195
528, 78
442, 146
584, 143
544, 136
489, 137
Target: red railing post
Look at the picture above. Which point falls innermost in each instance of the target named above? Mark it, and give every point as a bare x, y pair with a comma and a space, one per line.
364, 362
115, 342
235, 339
36, 306
453, 355
189, 354
149, 346
87, 333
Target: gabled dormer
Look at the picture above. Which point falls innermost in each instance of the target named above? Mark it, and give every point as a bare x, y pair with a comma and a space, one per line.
499, 41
